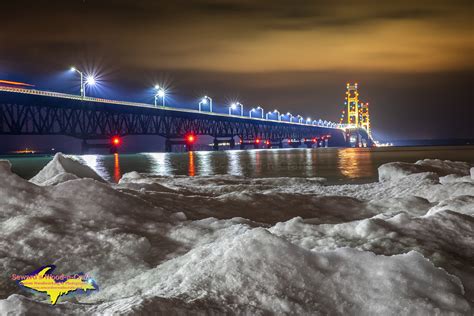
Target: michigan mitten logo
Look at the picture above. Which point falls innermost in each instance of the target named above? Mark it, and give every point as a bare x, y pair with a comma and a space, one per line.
55, 285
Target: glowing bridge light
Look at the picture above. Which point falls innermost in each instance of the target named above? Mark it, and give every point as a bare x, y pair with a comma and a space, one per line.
205, 101
160, 93
190, 138
116, 141
90, 80
234, 106
258, 108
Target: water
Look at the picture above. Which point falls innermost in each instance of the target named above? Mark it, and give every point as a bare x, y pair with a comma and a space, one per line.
338, 165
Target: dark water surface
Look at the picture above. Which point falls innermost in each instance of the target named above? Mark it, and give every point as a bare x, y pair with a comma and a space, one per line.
338, 165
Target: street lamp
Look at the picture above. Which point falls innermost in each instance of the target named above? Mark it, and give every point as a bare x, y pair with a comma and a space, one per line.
262, 111
300, 119
308, 120
160, 93
234, 106
258, 108
290, 117
205, 101
276, 112
90, 80
250, 112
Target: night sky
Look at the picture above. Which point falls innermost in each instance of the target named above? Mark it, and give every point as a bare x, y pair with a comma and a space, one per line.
413, 60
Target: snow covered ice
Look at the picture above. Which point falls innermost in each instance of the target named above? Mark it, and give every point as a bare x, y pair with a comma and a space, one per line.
228, 244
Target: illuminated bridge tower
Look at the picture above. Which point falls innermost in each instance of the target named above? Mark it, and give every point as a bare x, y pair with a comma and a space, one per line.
364, 117
352, 102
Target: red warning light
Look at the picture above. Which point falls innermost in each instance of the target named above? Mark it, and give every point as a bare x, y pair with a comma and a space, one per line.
190, 138
116, 141
267, 142
315, 140
257, 141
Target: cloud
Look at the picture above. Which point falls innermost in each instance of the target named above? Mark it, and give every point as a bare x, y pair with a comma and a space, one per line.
246, 35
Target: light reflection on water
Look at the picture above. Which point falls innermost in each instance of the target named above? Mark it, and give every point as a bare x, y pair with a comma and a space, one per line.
205, 166
352, 162
344, 165
117, 173
160, 163
192, 170
234, 167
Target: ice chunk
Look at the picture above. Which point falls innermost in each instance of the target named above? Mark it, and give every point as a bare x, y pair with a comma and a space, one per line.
396, 170
462, 204
63, 168
253, 267
445, 167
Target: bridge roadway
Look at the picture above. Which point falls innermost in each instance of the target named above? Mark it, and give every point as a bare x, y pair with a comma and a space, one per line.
36, 112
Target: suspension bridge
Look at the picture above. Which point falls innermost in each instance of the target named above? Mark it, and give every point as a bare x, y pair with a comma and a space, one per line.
26, 111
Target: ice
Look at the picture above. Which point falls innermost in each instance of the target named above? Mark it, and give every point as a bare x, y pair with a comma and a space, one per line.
397, 170
62, 169
228, 244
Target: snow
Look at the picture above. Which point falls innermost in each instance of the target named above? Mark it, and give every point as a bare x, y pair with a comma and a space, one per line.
62, 169
227, 244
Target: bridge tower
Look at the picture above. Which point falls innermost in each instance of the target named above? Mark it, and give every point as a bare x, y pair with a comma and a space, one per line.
352, 102
364, 117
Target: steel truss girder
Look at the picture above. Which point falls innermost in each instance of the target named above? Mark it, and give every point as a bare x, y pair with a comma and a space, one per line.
40, 115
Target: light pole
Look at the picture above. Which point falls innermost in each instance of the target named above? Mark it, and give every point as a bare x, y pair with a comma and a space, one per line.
205, 100
160, 93
83, 90
290, 117
278, 114
262, 112
250, 112
308, 120
300, 119
233, 106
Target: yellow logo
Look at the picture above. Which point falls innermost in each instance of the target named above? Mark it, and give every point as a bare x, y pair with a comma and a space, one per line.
42, 280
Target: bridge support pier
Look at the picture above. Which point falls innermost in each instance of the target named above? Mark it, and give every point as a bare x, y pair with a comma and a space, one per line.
216, 144
85, 146
232, 143
295, 144
168, 146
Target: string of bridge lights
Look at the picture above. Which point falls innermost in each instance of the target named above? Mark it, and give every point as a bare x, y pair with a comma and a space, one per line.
206, 102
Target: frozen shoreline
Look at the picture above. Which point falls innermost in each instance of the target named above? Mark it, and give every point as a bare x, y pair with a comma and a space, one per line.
402, 245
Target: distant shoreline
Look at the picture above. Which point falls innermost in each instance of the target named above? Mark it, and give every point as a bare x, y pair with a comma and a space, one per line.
408, 147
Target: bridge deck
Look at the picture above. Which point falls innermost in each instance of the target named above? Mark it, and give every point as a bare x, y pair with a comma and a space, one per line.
145, 105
